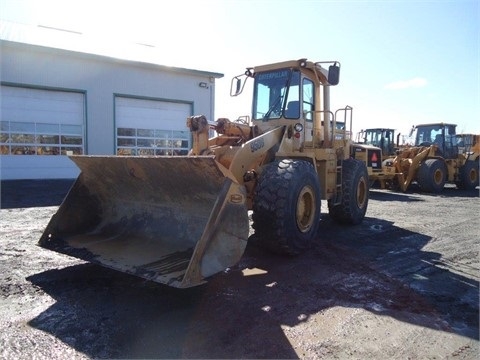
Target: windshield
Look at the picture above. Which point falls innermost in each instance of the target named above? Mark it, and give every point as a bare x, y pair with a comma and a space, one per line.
427, 134
377, 137
276, 94
372, 137
435, 133
465, 140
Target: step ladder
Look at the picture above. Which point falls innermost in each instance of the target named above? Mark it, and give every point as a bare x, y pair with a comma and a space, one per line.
337, 200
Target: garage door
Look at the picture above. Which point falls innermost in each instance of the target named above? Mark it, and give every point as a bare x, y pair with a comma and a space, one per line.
151, 127
38, 128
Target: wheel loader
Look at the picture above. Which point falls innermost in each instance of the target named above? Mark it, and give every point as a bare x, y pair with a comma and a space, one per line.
382, 138
468, 143
178, 220
433, 161
379, 144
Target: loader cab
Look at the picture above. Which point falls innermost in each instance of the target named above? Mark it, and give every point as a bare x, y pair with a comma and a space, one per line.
379, 137
285, 97
282, 94
442, 135
468, 143
293, 94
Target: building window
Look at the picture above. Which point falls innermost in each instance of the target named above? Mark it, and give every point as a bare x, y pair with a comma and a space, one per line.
132, 141
30, 138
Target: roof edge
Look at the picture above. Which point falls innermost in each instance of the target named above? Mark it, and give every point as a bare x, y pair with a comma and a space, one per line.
22, 35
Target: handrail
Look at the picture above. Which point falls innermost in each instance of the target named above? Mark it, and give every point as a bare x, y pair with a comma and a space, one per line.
344, 134
347, 131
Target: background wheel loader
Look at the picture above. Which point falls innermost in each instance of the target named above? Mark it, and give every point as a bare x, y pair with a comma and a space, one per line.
468, 144
177, 220
382, 138
434, 160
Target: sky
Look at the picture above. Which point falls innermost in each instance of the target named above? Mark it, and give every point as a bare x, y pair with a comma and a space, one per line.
403, 62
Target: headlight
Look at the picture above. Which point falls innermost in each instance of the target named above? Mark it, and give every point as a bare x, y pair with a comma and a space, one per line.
298, 127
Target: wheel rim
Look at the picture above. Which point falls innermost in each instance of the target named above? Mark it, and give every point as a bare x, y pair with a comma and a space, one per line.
473, 176
362, 193
305, 209
438, 177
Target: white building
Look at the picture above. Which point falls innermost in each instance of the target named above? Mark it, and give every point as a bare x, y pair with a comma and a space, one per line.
76, 99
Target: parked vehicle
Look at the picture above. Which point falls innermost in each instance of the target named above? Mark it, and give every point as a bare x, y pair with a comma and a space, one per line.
433, 161
179, 219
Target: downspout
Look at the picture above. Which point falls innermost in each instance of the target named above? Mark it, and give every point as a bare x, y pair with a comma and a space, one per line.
212, 99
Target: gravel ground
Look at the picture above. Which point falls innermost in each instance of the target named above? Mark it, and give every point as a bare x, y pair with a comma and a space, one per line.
402, 285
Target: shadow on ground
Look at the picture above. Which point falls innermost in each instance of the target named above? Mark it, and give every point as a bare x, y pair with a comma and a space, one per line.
243, 314
33, 193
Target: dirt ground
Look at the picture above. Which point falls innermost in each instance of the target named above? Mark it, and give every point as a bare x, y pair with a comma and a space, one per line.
402, 285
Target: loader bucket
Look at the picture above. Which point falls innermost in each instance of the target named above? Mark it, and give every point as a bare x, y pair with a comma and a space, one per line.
173, 220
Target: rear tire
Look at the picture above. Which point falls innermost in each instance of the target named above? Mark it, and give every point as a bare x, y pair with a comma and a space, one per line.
468, 175
286, 208
355, 194
432, 175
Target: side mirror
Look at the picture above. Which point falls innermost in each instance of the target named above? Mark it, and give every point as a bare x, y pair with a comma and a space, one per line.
238, 83
411, 131
334, 74
236, 86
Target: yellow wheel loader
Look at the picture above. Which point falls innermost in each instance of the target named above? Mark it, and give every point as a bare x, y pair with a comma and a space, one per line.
178, 220
434, 160
382, 138
469, 144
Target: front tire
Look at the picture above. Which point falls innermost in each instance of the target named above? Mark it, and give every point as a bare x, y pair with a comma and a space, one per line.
355, 194
432, 175
286, 207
